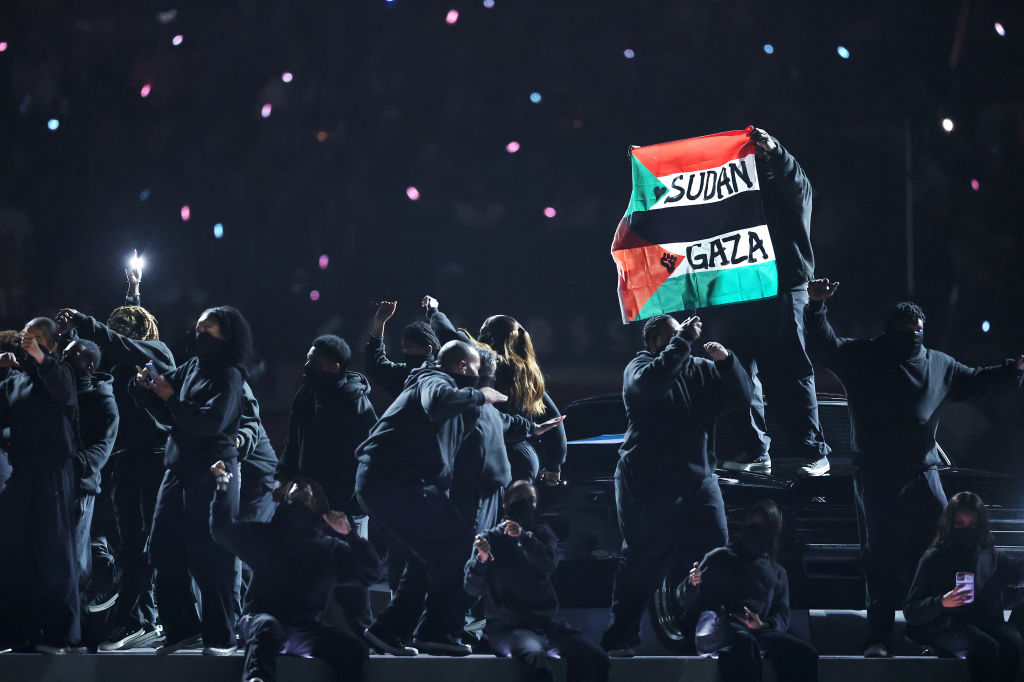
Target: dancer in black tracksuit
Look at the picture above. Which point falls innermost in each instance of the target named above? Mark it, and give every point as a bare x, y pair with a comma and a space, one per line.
968, 621
131, 339
666, 491
742, 594
298, 558
770, 336
511, 568
202, 402
405, 471
895, 388
38, 577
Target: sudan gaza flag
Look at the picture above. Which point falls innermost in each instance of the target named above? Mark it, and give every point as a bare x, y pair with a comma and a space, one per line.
694, 233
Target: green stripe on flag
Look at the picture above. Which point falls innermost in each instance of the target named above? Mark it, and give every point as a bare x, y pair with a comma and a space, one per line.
647, 188
713, 287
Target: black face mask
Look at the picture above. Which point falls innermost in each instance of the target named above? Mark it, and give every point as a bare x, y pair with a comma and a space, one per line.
413, 361
298, 517
754, 542
967, 538
211, 351
466, 381
521, 511
905, 344
319, 380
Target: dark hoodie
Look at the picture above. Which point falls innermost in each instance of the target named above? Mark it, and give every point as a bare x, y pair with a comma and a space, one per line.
422, 430
786, 196
517, 583
258, 459
895, 397
204, 414
331, 415
734, 577
295, 565
97, 425
672, 400
139, 431
39, 404
390, 375
993, 571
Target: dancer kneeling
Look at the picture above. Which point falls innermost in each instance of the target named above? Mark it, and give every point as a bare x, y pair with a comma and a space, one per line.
512, 568
297, 560
743, 596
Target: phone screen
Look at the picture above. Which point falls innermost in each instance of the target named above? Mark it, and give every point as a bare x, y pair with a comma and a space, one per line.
966, 579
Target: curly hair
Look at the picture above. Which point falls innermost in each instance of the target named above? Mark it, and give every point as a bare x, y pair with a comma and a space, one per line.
649, 325
135, 322
904, 310
421, 333
518, 371
10, 341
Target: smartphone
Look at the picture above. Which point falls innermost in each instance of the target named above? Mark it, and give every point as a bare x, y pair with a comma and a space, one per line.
966, 579
151, 373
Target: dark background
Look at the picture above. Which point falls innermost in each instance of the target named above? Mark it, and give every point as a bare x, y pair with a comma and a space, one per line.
404, 99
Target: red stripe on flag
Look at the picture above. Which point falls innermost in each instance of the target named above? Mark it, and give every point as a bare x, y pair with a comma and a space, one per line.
641, 273
709, 151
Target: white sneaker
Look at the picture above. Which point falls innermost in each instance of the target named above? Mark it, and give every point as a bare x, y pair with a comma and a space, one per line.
219, 651
818, 467
123, 637
395, 647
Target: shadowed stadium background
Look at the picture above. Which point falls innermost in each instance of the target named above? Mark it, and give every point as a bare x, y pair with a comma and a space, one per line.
476, 151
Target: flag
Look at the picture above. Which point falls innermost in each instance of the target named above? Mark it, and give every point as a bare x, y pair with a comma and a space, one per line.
694, 234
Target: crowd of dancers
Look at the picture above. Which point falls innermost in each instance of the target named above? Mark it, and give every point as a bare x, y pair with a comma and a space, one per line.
144, 505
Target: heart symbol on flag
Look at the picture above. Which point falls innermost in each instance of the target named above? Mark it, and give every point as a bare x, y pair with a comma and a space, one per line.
658, 191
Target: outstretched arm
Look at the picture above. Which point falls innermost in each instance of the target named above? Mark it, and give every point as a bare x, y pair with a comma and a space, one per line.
967, 383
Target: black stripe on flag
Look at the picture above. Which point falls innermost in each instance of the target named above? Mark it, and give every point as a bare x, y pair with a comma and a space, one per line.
693, 223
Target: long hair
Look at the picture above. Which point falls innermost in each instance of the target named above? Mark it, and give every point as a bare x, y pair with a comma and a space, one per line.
135, 322
234, 329
517, 363
970, 502
766, 514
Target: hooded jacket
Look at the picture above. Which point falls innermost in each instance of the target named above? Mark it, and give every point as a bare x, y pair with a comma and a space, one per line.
39, 404
733, 578
331, 415
672, 400
894, 401
257, 456
97, 426
787, 196
422, 430
391, 375
138, 431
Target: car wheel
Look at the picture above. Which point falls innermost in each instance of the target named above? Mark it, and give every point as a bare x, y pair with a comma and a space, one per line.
672, 624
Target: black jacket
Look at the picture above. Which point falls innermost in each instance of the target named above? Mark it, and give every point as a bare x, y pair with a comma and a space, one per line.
327, 424
732, 579
381, 370
895, 403
672, 400
40, 406
204, 414
422, 430
256, 455
786, 195
516, 585
293, 574
993, 571
97, 426
139, 431
551, 447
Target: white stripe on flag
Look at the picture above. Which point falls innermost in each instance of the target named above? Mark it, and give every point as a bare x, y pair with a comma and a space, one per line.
749, 246
709, 185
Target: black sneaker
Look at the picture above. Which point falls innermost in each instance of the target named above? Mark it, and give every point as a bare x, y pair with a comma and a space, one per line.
102, 600
816, 467
121, 637
192, 642
388, 645
444, 645
760, 464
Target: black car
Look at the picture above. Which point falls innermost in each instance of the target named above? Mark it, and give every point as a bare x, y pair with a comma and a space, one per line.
820, 547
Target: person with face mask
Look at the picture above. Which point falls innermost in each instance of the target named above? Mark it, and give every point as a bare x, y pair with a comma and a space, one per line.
511, 569
298, 558
130, 338
770, 333
404, 474
666, 492
895, 388
38, 576
96, 427
957, 593
419, 347
742, 594
331, 415
202, 402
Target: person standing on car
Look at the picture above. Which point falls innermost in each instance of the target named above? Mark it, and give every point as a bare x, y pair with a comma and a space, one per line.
666, 492
742, 594
895, 388
965, 618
